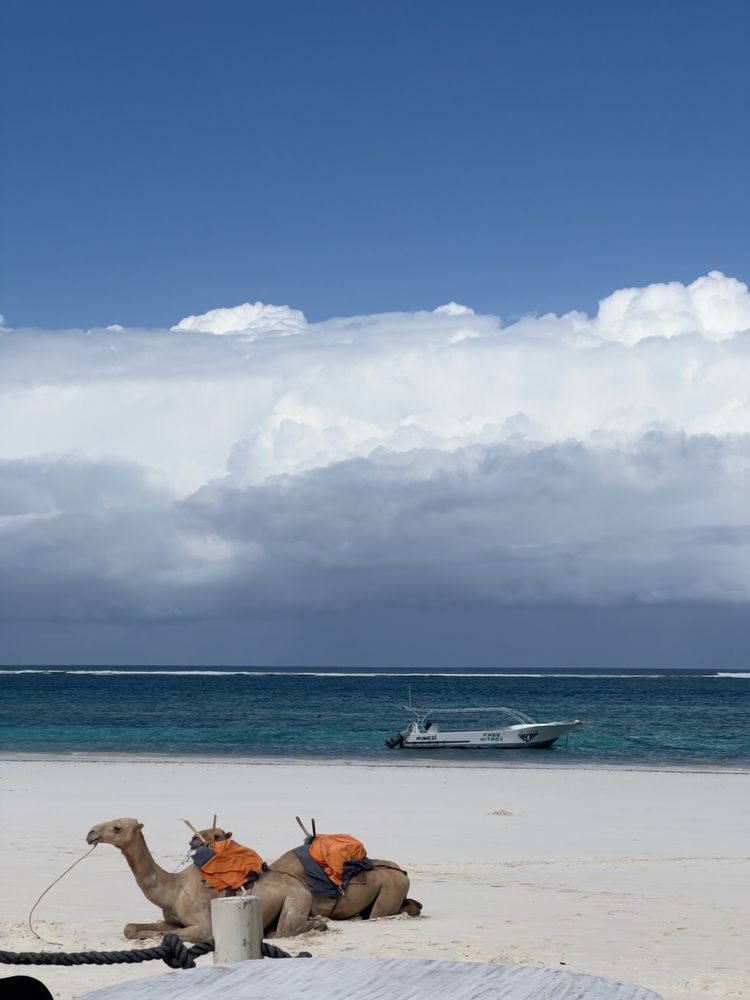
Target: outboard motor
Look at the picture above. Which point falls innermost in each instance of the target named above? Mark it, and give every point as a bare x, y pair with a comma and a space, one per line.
395, 741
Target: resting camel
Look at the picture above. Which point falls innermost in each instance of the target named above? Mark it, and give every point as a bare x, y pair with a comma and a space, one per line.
185, 899
379, 892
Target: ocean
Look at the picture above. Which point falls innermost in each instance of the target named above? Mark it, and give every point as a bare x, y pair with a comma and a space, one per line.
654, 719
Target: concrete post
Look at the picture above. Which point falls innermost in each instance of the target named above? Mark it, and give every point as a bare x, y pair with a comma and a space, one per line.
237, 923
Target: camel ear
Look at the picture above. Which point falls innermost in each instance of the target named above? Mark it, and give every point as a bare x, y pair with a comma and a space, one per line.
139, 826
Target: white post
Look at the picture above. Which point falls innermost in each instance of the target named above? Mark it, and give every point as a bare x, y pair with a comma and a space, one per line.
237, 923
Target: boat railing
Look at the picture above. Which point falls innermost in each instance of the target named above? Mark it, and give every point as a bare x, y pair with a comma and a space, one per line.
422, 714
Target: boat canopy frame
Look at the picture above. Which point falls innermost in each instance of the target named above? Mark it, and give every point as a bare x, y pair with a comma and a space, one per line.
421, 714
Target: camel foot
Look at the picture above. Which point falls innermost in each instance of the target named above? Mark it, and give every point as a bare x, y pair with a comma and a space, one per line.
139, 931
411, 907
195, 934
134, 932
318, 924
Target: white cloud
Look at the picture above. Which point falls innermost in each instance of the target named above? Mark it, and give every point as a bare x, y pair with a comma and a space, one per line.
455, 309
714, 306
252, 319
406, 457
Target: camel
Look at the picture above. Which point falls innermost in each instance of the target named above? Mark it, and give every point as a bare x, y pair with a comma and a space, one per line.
185, 899
379, 892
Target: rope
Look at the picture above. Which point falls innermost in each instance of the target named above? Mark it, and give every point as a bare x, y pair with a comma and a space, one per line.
172, 951
289, 875
31, 911
271, 951
637, 739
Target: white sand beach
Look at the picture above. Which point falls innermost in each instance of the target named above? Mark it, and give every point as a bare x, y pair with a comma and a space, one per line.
634, 874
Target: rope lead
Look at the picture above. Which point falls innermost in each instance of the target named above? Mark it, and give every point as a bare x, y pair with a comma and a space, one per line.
172, 951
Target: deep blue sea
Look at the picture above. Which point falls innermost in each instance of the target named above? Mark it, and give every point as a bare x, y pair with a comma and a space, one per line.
644, 719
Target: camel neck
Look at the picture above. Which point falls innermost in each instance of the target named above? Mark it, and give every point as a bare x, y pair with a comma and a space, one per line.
148, 874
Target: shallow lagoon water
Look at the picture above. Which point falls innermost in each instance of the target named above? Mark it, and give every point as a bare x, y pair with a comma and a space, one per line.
667, 719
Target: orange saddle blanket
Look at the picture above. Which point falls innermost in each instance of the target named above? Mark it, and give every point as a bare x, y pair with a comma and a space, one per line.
333, 850
231, 865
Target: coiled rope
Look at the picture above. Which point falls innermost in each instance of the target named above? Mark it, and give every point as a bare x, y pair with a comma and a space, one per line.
172, 951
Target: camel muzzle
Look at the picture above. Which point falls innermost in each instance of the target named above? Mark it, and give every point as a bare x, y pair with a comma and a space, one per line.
92, 837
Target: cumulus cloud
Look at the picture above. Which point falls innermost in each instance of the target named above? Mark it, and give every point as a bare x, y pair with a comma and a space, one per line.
413, 459
714, 306
250, 319
455, 309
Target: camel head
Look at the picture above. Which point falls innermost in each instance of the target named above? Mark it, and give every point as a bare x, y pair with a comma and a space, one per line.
209, 836
119, 832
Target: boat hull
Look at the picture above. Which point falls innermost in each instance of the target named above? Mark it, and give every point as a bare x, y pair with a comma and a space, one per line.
526, 737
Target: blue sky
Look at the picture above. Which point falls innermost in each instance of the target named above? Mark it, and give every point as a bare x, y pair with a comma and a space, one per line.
383, 334
166, 158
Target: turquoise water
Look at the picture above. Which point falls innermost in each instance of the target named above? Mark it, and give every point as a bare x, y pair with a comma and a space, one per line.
667, 719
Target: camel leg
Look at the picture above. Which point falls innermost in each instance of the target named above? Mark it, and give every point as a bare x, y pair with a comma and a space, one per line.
295, 918
133, 931
411, 907
390, 899
194, 934
310, 924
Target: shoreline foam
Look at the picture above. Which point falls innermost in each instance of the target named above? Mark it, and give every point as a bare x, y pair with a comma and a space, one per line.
428, 761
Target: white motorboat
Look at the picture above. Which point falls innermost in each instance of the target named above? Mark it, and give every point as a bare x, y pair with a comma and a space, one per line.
502, 728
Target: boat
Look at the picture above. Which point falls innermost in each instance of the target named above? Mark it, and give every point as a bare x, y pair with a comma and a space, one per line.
501, 728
